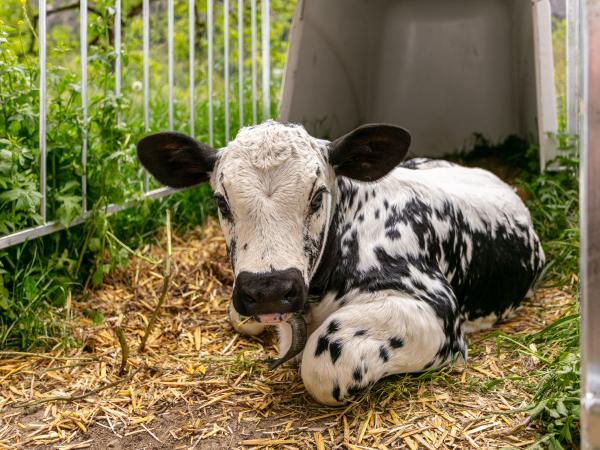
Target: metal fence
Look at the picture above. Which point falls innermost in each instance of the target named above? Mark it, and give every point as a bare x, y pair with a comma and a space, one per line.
584, 114
48, 227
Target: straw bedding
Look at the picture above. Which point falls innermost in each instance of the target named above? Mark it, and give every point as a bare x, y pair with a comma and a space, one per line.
200, 385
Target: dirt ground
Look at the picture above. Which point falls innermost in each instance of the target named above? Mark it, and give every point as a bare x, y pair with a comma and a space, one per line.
201, 385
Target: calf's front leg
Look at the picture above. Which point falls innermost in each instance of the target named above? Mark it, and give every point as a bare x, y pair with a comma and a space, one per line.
361, 343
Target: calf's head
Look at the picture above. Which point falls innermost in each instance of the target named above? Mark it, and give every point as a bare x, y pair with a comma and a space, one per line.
275, 188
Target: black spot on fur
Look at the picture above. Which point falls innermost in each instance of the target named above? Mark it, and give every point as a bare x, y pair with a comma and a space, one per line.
393, 234
333, 326
336, 392
357, 374
360, 333
335, 350
396, 342
377, 214
384, 354
312, 247
354, 390
232, 248
322, 345
467, 288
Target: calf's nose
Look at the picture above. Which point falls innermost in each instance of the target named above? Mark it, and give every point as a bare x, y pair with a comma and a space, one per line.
266, 289
281, 291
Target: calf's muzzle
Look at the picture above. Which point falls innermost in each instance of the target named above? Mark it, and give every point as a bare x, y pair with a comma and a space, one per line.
269, 294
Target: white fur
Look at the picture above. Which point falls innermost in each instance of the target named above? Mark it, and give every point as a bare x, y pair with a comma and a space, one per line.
266, 174
418, 324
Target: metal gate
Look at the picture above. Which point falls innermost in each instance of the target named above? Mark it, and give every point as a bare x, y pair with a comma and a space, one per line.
48, 227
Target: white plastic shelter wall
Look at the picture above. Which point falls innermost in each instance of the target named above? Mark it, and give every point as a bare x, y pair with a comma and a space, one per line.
443, 69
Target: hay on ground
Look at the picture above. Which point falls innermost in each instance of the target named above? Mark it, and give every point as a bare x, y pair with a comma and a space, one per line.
200, 385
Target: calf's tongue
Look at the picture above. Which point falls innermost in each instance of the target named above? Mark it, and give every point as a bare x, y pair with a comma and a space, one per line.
272, 318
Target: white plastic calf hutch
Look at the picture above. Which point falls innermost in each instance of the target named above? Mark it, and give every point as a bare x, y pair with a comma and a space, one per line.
444, 69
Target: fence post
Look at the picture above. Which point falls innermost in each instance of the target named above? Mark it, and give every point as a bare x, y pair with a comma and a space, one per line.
266, 62
191, 50
573, 59
170, 33
226, 66
590, 227
254, 55
210, 25
83, 14
241, 61
118, 53
42, 131
146, 70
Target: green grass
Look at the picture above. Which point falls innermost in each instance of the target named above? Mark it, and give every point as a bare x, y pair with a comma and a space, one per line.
37, 277
554, 205
553, 200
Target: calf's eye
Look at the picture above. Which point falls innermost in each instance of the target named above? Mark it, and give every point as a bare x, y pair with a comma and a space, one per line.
223, 207
316, 202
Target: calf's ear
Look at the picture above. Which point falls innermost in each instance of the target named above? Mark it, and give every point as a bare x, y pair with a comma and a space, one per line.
176, 160
369, 152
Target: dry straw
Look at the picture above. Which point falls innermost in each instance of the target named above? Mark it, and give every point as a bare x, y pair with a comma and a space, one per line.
197, 384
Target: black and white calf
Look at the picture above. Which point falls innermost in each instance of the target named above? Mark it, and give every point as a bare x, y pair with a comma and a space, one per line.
389, 263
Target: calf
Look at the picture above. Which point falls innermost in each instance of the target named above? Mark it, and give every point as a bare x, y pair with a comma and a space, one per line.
389, 264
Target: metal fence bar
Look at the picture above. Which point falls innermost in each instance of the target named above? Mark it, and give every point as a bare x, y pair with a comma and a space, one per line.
253, 37
226, 66
83, 22
573, 57
191, 49
590, 227
146, 70
266, 63
241, 61
118, 49
52, 227
43, 101
170, 33
210, 30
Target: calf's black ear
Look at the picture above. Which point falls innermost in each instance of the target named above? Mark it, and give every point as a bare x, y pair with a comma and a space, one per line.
369, 152
176, 160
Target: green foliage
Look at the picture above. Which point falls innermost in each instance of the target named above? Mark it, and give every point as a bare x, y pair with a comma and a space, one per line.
559, 39
556, 387
37, 277
553, 199
554, 205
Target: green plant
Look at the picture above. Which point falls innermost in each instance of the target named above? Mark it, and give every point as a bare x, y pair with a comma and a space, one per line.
37, 277
553, 199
